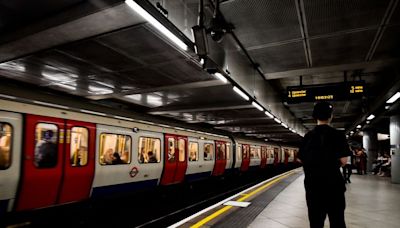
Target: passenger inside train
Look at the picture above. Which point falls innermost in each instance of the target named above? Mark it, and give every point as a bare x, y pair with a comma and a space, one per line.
46, 148
5, 139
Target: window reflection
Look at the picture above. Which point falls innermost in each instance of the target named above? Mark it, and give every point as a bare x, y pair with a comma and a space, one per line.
5, 145
46, 145
79, 146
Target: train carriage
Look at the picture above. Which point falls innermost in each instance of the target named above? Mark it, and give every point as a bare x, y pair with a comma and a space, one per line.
81, 154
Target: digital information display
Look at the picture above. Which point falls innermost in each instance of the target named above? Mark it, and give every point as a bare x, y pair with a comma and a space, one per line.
325, 92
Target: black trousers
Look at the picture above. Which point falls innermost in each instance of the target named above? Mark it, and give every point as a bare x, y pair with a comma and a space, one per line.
322, 203
347, 171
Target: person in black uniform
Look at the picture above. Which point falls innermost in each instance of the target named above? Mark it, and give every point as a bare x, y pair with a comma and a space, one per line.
323, 151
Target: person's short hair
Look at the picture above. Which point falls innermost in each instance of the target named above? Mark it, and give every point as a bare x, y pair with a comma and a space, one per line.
322, 111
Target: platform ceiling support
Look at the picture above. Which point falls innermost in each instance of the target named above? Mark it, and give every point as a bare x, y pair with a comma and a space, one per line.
370, 143
394, 130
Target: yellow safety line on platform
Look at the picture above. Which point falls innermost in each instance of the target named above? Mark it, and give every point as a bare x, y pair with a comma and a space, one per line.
226, 208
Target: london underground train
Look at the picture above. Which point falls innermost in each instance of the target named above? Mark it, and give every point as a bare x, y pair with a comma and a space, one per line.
51, 156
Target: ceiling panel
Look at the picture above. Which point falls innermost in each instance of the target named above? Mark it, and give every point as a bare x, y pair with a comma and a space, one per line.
260, 22
280, 58
329, 16
389, 46
341, 49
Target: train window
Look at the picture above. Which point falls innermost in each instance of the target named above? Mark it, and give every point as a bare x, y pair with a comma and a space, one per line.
79, 146
220, 151
6, 132
149, 150
193, 151
115, 149
171, 150
239, 152
263, 152
208, 151
228, 151
46, 148
246, 151
254, 152
182, 149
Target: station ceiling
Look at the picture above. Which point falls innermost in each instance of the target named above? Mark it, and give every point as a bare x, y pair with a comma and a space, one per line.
104, 52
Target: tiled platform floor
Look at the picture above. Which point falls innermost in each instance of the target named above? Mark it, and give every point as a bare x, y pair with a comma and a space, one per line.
372, 202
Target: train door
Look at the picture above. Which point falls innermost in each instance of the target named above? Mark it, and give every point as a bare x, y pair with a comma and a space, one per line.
285, 154
10, 157
175, 159
42, 163
220, 158
79, 161
245, 157
276, 156
263, 157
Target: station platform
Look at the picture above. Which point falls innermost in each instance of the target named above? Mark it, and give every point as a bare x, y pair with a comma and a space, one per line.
279, 202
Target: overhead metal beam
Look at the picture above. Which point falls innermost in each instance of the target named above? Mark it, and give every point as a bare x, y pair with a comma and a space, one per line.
367, 66
304, 30
196, 108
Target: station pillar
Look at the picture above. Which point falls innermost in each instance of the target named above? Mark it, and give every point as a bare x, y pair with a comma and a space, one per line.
370, 143
394, 130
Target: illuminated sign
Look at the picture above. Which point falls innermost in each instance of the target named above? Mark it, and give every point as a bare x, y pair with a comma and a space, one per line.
325, 92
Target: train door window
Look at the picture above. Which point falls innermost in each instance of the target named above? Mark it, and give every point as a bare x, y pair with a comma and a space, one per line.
193, 151
220, 151
79, 146
246, 152
254, 152
228, 151
182, 149
115, 149
6, 132
208, 151
239, 152
258, 152
149, 150
263, 153
46, 148
171, 150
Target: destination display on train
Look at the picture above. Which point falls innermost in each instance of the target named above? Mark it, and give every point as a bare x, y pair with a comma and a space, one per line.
325, 92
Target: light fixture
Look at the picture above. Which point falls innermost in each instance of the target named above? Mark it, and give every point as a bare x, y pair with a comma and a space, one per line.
257, 106
50, 104
7, 96
283, 124
92, 112
220, 77
359, 126
387, 107
138, 9
241, 93
123, 118
367, 122
370, 117
351, 132
269, 114
393, 98
202, 61
277, 120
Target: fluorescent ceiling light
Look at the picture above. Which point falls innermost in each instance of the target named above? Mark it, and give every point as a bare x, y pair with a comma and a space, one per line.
370, 117
393, 98
277, 120
202, 61
283, 124
99, 90
7, 96
358, 126
367, 122
66, 86
50, 104
257, 106
123, 118
269, 114
351, 132
241, 93
92, 112
138, 9
221, 77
